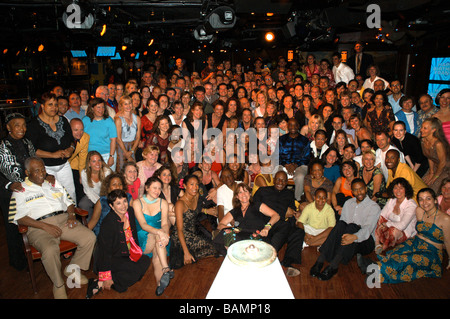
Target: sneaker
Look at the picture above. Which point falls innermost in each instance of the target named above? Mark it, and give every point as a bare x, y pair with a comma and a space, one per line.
59, 292
83, 278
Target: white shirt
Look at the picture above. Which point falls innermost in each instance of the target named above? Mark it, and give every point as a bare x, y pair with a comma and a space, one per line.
37, 201
368, 84
225, 198
93, 193
343, 73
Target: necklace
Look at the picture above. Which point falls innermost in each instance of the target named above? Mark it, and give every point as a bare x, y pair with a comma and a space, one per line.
428, 216
148, 201
244, 210
369, 170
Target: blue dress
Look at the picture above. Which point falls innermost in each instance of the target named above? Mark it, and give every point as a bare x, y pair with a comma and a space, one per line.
415, 258
153, 221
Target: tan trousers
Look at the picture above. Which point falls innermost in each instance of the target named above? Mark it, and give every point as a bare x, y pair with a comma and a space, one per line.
48, 246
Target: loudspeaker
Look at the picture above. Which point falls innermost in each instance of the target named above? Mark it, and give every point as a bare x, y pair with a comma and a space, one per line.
289, 29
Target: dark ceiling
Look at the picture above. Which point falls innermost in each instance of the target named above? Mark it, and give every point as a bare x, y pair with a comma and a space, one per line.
306, 24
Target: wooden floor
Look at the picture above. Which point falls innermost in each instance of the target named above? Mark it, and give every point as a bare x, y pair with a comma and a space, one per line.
193, 282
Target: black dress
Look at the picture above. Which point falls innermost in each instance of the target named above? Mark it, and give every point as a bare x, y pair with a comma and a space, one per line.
112, 253
248, 224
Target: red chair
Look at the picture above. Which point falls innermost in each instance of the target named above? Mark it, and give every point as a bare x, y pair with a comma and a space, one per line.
32, 254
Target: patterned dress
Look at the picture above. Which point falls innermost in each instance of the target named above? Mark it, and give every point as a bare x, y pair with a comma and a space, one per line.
199, 246
380, 200
415, 258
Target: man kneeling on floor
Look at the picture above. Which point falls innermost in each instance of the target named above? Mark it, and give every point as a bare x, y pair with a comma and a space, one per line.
353, 233
49, 213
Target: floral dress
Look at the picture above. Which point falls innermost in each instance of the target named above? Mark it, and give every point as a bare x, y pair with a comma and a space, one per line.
415, 258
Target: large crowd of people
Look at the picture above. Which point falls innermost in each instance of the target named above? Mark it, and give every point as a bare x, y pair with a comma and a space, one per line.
344, 161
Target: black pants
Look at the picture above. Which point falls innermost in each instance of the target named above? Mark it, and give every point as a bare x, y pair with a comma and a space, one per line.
332, 245
125, 272
14, 241
78, 187
285, 232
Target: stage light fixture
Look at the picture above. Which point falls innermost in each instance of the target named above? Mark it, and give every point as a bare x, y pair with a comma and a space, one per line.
269, 36
102, 33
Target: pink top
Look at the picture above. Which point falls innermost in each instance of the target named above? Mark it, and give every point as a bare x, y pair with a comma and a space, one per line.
446, 128
440, 197
406, 220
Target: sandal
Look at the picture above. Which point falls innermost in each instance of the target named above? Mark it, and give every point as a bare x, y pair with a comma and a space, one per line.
92, 285
170, 271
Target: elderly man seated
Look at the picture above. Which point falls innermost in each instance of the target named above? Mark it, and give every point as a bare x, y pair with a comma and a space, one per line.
49, 213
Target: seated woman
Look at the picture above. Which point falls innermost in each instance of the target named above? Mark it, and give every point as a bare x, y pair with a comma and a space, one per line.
315, 123
331, 165
148, 165
313, 181
101, 207
398, 217
265, 177
342, 189
411, 148
437, 149
317, 219
249, 217
209, 178
153, 231
170, 191
130, 172
239, 173
405, 262
444, 197
373, 177
92, 176
159, 136
340, 142
188, 245
119, 262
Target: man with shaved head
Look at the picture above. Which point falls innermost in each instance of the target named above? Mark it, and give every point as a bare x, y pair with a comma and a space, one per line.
282, 200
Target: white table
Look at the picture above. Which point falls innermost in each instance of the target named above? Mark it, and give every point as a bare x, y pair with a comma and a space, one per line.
237, 282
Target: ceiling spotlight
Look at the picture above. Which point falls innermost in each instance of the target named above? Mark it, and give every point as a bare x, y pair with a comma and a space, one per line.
269, 36
41, 48
102, 33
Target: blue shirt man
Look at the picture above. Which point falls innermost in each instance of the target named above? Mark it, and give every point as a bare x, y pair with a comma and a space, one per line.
295, 154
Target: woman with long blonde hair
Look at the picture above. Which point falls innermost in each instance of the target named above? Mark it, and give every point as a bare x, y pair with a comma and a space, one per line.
92, 177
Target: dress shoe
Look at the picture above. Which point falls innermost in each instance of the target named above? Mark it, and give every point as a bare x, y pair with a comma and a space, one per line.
315, 270
83, 278
363, 263
163, 283
328, 273
59, 292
